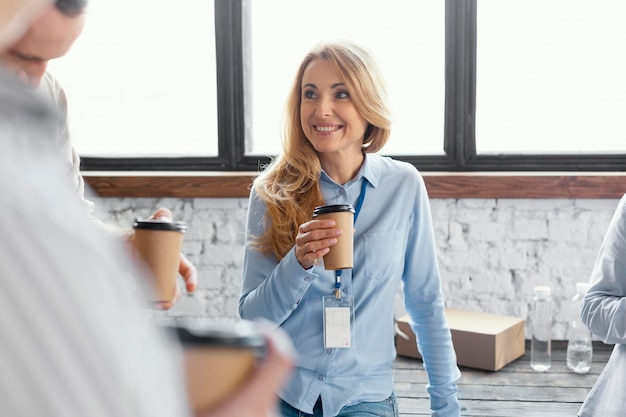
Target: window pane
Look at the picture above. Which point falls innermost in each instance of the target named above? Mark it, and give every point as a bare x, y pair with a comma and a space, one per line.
140, 80
405, 36
551, 76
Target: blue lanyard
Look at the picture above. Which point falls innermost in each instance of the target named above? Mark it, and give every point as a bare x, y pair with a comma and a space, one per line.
357, 210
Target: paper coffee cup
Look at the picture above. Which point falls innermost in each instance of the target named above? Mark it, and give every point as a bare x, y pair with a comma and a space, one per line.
158, 243
220, 356
340, 255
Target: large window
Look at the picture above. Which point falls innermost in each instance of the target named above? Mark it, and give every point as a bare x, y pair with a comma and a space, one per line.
474, 85
140, 80
551, 77
415, 79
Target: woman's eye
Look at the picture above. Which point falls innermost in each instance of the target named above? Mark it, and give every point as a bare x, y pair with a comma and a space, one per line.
342, 94
308, 94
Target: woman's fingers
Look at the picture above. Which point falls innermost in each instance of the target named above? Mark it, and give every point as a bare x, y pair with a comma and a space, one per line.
314, 240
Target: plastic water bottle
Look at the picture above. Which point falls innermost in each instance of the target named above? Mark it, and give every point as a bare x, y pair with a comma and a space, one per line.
541, 322
579, 349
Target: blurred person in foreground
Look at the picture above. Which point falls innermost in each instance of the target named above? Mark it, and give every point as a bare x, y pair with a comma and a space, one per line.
604, 313
337, 119
49, 37
75, 341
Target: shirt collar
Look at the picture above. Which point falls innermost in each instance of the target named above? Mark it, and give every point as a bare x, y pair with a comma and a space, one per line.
370, 170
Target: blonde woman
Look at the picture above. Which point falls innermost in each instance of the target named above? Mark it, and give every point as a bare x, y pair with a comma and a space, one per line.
337, 119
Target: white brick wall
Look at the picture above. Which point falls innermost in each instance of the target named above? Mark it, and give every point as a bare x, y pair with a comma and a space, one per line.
491, 252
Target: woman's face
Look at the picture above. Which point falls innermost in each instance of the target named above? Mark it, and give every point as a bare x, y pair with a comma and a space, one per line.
329, 118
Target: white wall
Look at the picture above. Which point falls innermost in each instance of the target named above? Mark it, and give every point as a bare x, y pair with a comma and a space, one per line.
492, 252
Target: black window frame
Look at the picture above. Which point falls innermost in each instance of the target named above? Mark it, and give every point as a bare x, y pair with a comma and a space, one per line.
459, 121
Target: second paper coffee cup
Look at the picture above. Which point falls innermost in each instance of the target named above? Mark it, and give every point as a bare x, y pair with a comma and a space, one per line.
220, 356
340, 255
158, 243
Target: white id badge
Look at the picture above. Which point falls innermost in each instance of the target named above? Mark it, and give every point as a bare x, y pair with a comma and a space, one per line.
338, 322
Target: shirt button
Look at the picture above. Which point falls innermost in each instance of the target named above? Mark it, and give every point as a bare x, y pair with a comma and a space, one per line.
329, 351
346, 290
321, 377
307, 278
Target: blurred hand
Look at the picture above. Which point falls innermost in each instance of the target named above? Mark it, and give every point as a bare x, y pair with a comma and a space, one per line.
185, 268
258, 397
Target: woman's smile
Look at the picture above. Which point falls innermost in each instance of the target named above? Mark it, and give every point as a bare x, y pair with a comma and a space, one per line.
325, 129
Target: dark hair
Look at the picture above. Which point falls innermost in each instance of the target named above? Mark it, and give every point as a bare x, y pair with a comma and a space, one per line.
71, 8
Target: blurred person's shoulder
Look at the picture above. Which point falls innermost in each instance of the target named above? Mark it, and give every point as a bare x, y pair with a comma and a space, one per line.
26, 121
20, 102
51, 90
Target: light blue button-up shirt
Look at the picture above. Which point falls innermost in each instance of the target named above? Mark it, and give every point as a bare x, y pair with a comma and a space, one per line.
604, 312
393, 244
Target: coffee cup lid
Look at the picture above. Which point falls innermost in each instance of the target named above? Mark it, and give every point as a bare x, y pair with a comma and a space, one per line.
157, 224
215, 332
333, 208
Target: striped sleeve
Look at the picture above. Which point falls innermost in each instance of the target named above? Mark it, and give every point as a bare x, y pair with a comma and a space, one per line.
74, 339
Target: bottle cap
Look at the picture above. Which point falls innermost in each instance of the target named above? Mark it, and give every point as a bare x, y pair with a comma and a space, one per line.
581, 287
543, 291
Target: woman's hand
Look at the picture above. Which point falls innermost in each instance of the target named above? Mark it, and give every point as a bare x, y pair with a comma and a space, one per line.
314, 240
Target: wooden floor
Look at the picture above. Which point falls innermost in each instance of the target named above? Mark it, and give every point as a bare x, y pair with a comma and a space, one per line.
515, 390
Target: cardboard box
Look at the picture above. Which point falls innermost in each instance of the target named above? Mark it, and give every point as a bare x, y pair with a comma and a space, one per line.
483, 341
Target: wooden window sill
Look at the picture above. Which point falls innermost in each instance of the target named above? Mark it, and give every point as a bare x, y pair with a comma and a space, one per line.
439, 185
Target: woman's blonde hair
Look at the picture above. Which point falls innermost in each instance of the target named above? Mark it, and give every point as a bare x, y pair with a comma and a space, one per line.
289, 186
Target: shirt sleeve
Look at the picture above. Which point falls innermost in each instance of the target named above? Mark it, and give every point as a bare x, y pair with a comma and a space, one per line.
271, 289
52, 91
604, 305
70, 153
77, 179
425, 306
